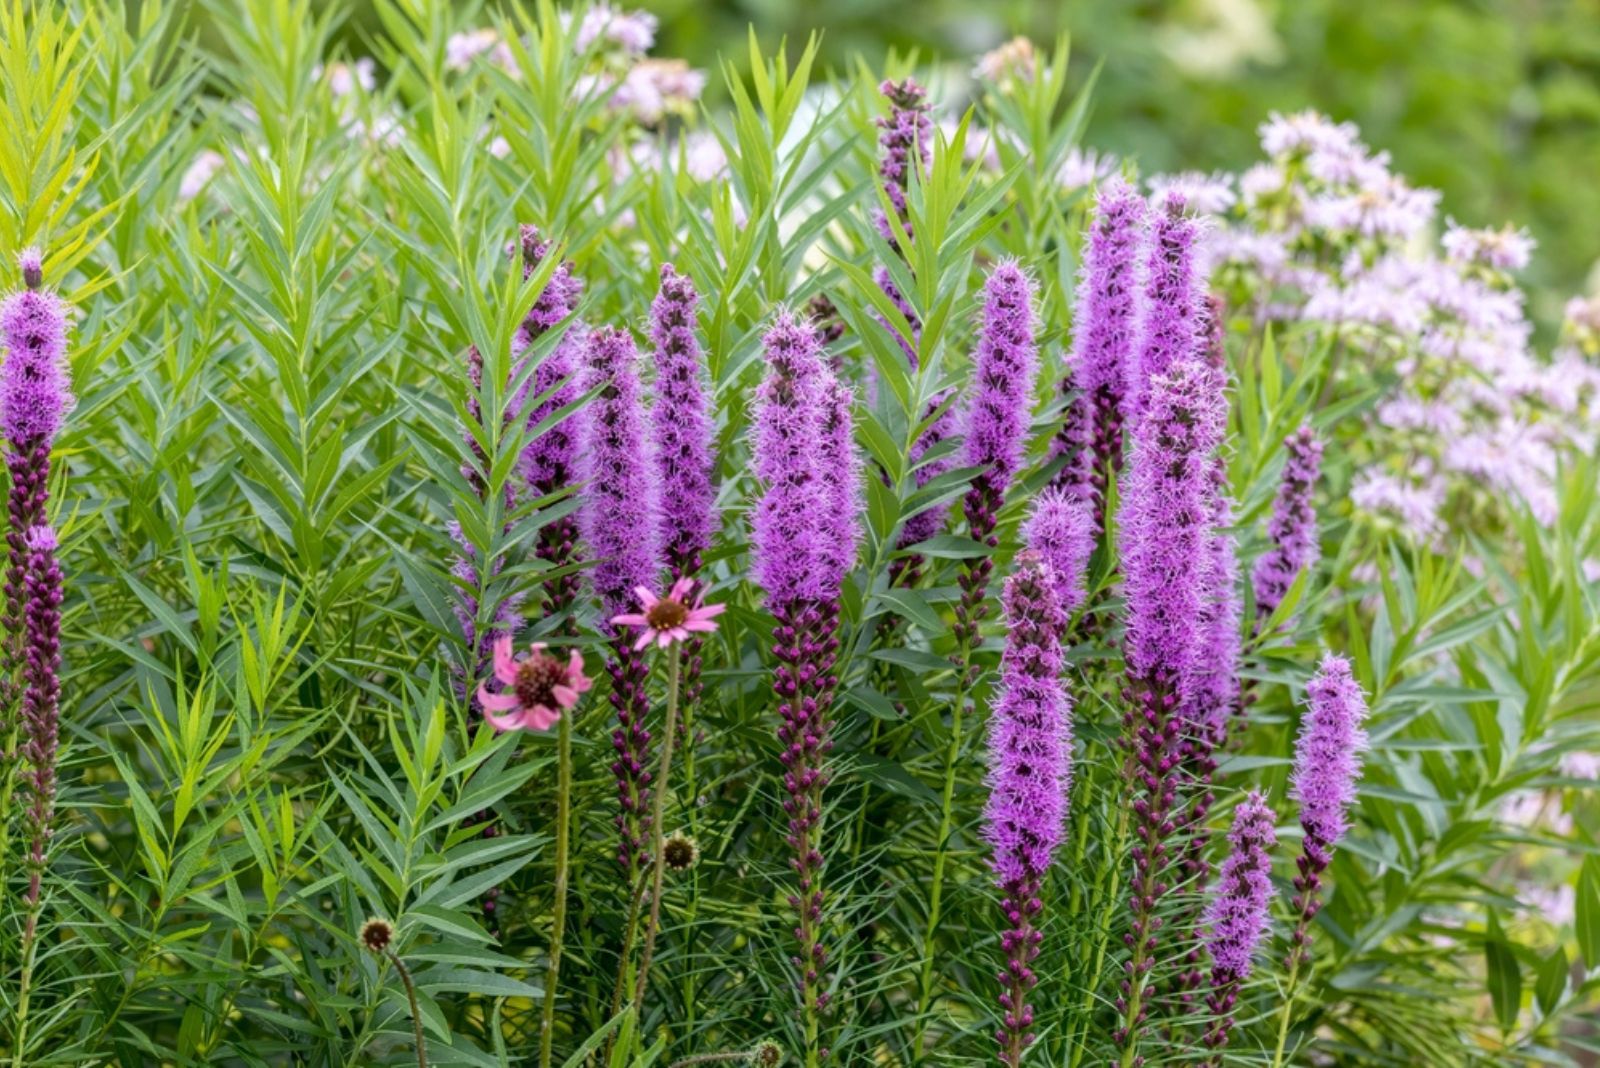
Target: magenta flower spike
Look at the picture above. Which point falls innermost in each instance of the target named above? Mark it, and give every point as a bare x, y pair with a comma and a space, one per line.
35, 396
1327, 765
1171, 326
1030, 780
618, 522
903, 146
805, 528
682, 426
1060, 528
997, 418
1293, 527
1165, 525
1105, 330
1237, 918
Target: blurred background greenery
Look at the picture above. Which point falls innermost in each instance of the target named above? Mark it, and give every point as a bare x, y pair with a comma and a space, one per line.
1495, 102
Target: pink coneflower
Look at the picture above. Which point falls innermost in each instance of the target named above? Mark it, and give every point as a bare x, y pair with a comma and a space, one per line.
541, 688
671, 618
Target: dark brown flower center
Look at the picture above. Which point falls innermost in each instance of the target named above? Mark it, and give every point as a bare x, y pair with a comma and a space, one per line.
679, 852
537, 678
376, 935
666, 614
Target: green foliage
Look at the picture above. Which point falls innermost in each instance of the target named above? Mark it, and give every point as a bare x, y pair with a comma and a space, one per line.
265, 735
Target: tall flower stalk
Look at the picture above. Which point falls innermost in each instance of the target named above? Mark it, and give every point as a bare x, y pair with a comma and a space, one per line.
1237, 918
1165, 523
1105, 323
903, 148
1030, 780
35, 397
1327, 766
1293, 527
1170, 328
805, 531
997, 419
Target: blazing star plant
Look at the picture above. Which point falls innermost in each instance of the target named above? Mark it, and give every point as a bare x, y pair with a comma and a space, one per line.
523, 548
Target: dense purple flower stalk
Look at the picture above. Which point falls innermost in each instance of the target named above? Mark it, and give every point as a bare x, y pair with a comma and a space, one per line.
35, 396
41, 697
1105, 329
618, 520
682, 426
1030, 779
804, 534
550, 458
1165, 523
1237, 917
997, 419
1327, 763
946, 424
1171, 327
1060, 528
903, 146
1293, 526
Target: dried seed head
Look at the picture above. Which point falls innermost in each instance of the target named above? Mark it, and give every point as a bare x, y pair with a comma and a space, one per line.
679, 852
377, 934
768, 1054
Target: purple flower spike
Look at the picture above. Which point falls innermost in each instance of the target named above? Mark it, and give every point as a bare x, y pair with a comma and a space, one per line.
683, 426
41, 672
1166, 522
1327, 764
1030, 780
618, 521
1105, 329
905, 570
1060, 528
1173, 308
998, 414
1294, 523
1237, 918
903, 144
805, 530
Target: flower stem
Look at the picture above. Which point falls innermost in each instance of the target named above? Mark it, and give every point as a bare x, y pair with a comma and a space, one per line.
411, 997
1285, 1016
674, 661
558, 920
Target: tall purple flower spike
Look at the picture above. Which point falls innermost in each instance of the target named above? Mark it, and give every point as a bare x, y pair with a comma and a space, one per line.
1060, 528
1166, 520
805, 530
1030, 780
1293, 527
35, 396
618, 521
945, 425
550, 458
1327, 765
903, 147
1237, 917
1170, 329
1105, 334
998, 414
41, 672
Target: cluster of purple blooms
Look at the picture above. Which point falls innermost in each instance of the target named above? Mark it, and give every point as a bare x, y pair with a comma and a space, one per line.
35, 396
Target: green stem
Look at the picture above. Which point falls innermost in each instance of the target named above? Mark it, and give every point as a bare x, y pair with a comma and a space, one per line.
1102, 936
411, 997
25, 987
946, 821
558, 920
1287, 1014
674, 661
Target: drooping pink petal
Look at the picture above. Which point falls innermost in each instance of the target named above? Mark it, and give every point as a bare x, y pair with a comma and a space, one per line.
513, 722
505, 668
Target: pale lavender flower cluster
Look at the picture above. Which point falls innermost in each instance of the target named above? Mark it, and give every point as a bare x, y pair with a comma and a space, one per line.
1030, 779
1293, 527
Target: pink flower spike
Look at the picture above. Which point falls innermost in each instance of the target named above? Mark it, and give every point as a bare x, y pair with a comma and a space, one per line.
540, 688
669, 619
